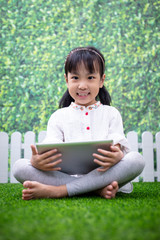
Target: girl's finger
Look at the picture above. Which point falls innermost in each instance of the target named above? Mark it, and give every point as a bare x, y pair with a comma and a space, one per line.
48, 153
34, 150
102, 169
103, 164
52, 158
115, 149
102, 158
105, 153
51, 166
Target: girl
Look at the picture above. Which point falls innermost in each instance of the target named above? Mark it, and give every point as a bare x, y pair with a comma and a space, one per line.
85, 114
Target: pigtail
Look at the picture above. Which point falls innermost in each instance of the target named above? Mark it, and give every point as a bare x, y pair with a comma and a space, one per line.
65, 100
104, 96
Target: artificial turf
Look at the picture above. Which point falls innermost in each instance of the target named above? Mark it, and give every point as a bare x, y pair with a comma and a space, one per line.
134, 216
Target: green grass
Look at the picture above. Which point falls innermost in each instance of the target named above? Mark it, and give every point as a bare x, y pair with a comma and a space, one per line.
129, 216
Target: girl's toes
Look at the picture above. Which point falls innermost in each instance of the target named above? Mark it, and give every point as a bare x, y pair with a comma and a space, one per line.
110, 187
26, 197
115, 185
109, 193
27, 184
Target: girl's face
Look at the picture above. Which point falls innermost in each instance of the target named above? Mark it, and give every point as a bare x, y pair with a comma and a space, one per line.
84, 86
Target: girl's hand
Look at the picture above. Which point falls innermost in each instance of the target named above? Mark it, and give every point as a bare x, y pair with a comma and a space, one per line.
108, 159
45, 161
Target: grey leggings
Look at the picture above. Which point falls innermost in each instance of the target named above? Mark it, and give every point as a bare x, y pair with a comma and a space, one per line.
123, 172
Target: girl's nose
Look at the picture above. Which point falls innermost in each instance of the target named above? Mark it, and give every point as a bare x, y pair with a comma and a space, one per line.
82, 85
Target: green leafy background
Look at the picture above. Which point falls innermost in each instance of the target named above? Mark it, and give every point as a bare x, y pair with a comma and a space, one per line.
36, 36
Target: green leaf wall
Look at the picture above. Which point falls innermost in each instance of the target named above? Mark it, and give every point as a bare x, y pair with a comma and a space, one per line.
36, 36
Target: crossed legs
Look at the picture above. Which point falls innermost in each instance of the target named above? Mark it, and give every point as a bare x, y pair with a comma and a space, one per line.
40, 184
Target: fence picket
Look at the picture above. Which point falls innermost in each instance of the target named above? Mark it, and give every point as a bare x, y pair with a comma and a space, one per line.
29, 138
16, 147
147, 148
158, 155
41, 136
132, 138
3, 157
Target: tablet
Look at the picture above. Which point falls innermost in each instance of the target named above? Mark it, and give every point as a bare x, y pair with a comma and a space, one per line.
76, 156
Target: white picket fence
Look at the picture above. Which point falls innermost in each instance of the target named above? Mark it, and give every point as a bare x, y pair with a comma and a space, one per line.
10, 152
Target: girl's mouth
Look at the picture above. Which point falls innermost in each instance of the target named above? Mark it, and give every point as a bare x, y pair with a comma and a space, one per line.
83, 94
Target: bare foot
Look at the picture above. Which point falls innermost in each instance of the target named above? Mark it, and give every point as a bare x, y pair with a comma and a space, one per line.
109, 191
39, 190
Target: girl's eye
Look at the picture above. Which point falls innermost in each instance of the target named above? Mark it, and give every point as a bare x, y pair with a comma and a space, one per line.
90, 77
75, 77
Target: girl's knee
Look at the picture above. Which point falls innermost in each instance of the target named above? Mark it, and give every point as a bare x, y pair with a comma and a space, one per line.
19, 169
137, 159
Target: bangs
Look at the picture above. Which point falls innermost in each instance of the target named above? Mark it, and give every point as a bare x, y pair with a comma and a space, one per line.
90, 60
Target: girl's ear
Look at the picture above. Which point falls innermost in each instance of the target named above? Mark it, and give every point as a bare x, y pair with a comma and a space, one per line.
102, 80
66, 78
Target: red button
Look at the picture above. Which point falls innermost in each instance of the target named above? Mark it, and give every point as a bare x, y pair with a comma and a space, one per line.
86, 113
88, 128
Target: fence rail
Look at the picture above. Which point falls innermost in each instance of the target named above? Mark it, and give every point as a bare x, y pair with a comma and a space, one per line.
16, 149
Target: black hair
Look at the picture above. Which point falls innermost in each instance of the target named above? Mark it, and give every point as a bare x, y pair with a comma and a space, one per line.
89, 56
